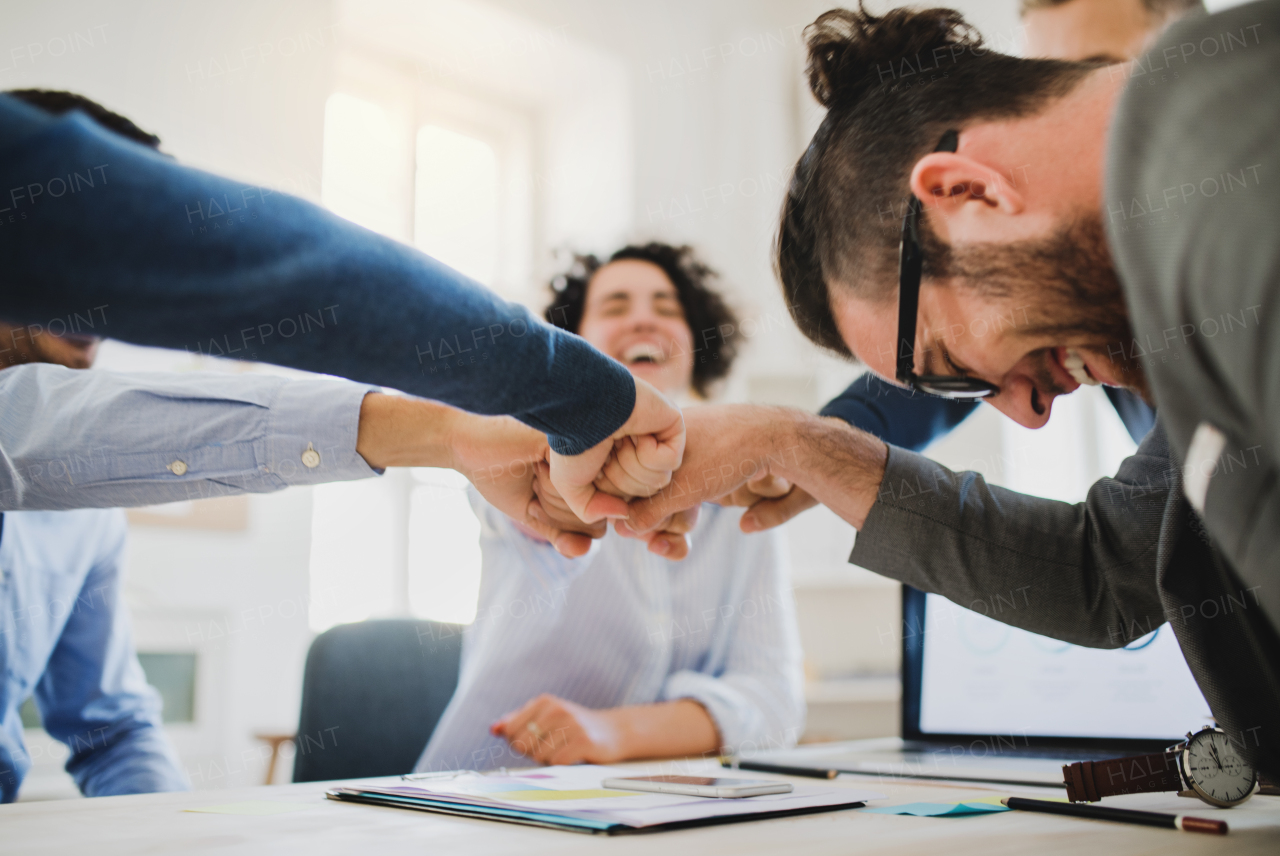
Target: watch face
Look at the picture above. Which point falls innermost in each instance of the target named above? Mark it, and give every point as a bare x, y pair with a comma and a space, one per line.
1217, 772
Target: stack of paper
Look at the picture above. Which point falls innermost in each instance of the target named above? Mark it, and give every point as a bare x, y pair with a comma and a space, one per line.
572, 798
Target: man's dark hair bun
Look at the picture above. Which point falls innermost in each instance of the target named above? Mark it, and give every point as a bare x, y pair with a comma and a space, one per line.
852, 52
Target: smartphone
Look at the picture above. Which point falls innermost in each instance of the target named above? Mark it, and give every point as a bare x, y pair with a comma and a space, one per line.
699, 786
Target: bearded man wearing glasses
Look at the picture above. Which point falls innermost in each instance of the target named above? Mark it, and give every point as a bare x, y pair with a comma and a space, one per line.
1138, 250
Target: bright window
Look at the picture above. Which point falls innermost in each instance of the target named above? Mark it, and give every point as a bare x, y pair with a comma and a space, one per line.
358, 170
456, 218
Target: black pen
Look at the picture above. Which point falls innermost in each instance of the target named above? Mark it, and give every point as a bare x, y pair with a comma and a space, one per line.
781, 769
1180, 822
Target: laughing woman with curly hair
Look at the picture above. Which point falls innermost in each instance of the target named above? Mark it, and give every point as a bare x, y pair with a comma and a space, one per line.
625, 654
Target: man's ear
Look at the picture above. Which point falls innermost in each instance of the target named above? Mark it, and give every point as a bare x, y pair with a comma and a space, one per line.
948, 181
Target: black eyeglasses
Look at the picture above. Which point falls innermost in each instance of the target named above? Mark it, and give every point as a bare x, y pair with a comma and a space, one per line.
910, 265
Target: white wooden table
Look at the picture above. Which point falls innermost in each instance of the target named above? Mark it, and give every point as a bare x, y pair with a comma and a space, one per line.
158, 824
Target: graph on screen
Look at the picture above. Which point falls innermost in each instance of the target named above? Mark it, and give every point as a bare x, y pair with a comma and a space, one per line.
981, 676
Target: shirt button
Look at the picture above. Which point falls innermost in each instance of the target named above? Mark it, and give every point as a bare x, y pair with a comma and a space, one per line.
311, 458
178, 468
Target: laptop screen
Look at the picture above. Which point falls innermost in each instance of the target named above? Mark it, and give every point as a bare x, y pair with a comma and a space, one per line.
979, 676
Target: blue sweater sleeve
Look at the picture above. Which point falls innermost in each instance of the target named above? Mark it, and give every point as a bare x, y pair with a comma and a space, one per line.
898, 416
102, 236
1138, 416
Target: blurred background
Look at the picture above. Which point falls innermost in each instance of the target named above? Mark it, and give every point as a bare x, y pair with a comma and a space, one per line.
499, 136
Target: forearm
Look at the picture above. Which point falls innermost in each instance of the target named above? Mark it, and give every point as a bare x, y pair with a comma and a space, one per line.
497, 454
671, 729
396, 431
837, 464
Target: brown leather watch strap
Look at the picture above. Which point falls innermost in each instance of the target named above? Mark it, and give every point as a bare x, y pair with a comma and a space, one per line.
1090, 781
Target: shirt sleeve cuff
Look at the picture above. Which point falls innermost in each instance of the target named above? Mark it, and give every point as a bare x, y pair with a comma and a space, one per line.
732, 714
312, 433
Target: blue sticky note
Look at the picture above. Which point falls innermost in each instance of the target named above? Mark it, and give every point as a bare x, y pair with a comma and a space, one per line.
925, 809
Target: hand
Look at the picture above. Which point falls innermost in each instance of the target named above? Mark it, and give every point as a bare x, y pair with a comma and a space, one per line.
728, 446
503, 458
497, 454
771, 501
555, 731
551, 730
761, 487
667, 540
651, 447
731, 445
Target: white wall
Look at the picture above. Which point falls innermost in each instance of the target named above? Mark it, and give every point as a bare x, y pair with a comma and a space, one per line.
235, 86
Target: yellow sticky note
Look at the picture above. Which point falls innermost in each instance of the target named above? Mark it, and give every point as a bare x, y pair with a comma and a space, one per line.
996, 800
536, 796
253, 807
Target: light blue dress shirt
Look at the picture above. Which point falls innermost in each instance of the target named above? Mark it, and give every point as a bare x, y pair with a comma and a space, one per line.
65, 636
84, 439
622, 626
97, 439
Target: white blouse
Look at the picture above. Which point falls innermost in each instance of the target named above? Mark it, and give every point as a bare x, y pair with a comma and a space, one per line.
622, 626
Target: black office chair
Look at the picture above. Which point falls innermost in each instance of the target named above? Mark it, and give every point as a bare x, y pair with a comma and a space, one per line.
372, 693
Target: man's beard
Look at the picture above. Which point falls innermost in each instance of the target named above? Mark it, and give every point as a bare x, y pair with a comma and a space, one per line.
1064, 286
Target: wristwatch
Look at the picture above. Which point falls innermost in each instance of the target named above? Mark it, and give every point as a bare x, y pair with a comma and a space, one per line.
1205, 765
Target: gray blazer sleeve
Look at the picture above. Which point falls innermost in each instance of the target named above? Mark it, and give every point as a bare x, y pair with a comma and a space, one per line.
1083, 573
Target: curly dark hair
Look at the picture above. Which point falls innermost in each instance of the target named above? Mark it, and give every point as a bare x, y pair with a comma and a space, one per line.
58, 102
712, 322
